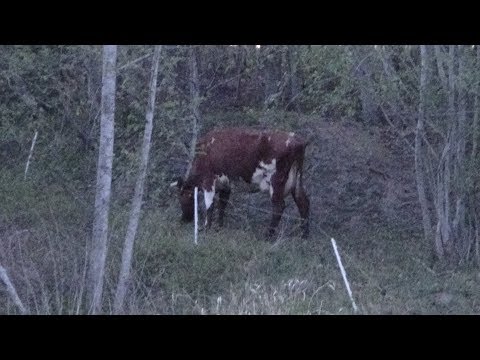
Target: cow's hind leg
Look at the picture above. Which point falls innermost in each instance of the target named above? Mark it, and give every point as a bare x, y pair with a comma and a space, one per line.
278, 203
303, 204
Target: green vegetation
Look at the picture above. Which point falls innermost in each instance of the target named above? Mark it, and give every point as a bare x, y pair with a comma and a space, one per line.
357, 105
231, 271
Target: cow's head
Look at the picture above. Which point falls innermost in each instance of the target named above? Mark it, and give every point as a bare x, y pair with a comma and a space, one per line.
185, 196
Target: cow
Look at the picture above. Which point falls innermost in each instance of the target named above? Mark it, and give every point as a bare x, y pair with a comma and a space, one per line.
271, 159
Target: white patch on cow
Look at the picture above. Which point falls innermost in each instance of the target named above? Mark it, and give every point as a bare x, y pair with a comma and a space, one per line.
297, 183
292, 179
263, 174
289, 140
271, 190
269, 138
222, 182
211, 141
208, 196
175, 183
223, 179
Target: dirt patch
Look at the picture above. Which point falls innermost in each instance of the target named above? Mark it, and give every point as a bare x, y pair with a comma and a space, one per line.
357, 177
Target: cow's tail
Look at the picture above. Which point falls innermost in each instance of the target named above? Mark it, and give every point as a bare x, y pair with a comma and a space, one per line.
300, 161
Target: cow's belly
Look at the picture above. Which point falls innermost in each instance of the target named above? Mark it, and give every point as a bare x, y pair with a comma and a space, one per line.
262, 175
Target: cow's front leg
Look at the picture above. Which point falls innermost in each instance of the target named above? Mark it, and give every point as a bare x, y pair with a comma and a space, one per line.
209, 196
278, 204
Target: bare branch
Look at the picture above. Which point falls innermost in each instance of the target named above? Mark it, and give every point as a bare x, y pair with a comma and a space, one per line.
139, 187
133, 62
30, 154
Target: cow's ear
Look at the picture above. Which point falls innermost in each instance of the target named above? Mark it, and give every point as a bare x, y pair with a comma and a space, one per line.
178, 183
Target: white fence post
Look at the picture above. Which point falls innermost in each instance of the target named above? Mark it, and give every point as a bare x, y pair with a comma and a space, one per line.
196, 215
344, 275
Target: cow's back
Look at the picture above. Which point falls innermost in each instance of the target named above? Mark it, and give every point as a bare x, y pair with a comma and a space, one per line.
234, 152
237, 152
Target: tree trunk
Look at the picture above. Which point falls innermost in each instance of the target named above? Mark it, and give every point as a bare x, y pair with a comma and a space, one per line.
272, 64
449, 164
459, 224
455, 234
139, 186
440, 68
476, 109
98, 251
363, 74
11, 290
473, 173
294, 84
419, 153
195, 97
259, 74
240, 63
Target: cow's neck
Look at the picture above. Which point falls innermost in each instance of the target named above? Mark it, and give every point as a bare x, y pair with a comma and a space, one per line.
194, 177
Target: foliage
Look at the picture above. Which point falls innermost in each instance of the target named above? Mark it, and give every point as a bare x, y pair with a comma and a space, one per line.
359, 105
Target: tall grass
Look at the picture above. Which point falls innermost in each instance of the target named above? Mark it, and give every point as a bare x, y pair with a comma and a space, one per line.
45, 232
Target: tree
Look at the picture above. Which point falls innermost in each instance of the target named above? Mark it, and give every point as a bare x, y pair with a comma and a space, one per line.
11, 290
139, 186
445, 165
272, 63
419, 151
98, 251
195, 104
363, 73
294, 81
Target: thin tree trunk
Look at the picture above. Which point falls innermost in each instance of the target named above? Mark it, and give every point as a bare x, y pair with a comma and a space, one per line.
476, 109
397, 104
439, 62
459, 223
11, 290
440, 209
30, 154
474, 161
294, 87
272, 63
195, 96
445, 219
259, 74
449, 161
363, 74
139, 186
104, 180
240, 68
419, 156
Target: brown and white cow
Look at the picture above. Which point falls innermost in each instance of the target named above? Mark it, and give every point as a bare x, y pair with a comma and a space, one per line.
271, 159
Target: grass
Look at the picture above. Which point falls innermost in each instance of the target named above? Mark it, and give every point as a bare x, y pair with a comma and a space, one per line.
231, 271
45, 230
